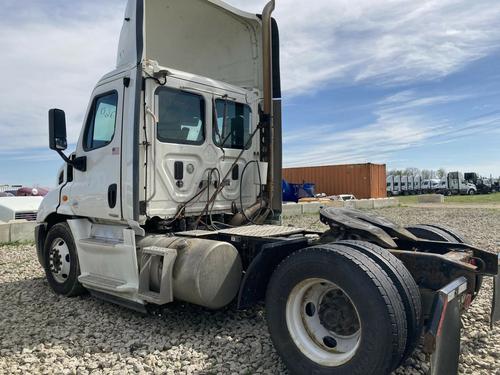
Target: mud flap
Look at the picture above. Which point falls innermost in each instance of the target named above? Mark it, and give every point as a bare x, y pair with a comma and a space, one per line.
495, 306
442, 336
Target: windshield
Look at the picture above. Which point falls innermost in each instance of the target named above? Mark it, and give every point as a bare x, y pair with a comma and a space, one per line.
235, 131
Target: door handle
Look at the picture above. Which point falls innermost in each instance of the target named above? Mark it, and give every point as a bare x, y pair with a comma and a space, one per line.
112, 190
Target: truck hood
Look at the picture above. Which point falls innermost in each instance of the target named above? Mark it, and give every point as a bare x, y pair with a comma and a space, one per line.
9, 206
205, 37
17, 204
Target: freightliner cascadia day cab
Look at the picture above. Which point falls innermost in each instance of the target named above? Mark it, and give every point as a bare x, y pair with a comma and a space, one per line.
173, 193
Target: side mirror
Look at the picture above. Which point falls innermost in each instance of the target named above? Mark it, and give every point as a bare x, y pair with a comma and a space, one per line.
58, 141
57, 130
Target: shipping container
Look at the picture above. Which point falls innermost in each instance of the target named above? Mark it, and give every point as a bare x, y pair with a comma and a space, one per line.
361, 180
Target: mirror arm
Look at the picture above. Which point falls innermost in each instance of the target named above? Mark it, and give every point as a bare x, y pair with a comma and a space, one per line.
77, 163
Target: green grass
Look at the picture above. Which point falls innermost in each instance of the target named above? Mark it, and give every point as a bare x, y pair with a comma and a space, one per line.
407, 199
470, 199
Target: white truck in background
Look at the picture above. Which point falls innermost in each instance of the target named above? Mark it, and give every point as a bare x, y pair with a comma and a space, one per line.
173, 193
483, 185
430, 185
403, 185
417, 184
393, 185
457, 184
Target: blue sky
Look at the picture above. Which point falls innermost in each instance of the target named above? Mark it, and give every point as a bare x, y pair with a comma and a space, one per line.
409, 84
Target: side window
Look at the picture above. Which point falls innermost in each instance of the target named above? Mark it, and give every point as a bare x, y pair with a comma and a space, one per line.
181, 117
101, 122
235, 131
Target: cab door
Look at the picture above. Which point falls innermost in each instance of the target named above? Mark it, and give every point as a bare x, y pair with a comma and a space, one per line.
96, 192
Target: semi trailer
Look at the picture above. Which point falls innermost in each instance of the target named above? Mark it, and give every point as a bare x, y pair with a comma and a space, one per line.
173, 193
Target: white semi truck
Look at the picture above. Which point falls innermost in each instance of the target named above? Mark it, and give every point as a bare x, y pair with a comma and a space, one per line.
173, 193
457, 184
403, 185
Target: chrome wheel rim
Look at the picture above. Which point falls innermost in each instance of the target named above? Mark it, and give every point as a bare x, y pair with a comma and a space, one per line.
59, 260
323, 322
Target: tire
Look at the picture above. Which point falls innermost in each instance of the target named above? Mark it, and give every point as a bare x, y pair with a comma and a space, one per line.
374, 342
433, 232
471, 192
406, 286
61, 261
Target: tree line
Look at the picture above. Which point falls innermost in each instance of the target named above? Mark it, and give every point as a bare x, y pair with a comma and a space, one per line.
424, 173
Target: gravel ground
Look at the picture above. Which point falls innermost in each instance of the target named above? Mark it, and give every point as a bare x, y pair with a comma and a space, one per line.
43, 333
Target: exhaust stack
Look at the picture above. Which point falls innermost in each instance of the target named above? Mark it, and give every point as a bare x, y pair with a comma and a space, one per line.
268, 91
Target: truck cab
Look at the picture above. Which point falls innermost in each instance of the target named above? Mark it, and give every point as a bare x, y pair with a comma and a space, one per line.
457, 184
172, 119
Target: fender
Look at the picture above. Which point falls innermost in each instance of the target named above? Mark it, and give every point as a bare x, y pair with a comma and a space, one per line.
42, 229
254, 284
40, 234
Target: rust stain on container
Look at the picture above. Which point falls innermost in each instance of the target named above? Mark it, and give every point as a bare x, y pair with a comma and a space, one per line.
361, 180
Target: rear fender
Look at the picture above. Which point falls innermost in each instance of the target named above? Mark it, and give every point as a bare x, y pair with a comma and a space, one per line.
254, 284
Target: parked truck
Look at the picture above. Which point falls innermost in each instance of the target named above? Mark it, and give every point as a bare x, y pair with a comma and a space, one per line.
457, 184
393, 185
484, 185
430, 186
173, 193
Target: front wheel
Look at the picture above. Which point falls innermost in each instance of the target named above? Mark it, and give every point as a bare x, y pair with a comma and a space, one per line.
471, 192
323, 322
61, 261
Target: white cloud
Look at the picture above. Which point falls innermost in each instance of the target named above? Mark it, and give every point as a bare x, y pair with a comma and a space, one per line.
403, 123
381, 41
48, 61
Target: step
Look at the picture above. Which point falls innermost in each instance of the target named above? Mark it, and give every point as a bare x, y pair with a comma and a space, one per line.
165, 294
100, 242
104, 283
153, 297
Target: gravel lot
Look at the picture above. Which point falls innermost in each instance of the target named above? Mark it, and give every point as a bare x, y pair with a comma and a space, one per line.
43, 333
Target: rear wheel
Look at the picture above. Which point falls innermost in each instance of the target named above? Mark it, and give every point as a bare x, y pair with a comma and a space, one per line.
321, 321
436, 233
61, 261
405, 284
